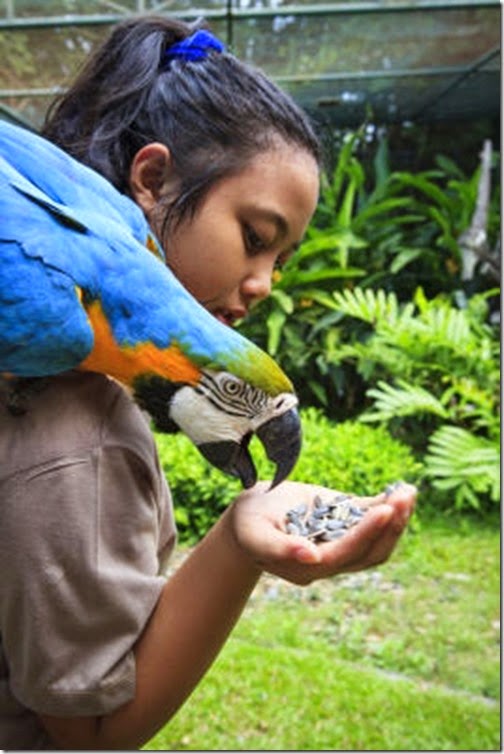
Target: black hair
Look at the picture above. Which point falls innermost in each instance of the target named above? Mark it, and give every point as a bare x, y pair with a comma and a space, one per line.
214, 115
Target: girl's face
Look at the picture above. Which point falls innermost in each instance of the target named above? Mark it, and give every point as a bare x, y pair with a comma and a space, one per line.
247, 225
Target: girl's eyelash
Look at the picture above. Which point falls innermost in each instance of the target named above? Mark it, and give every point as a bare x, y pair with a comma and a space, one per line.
255, 245
253, 240
282, 261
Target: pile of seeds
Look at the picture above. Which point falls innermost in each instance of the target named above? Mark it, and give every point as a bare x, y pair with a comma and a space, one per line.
327, 520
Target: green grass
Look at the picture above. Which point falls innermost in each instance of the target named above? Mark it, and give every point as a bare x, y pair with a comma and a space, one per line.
401, 657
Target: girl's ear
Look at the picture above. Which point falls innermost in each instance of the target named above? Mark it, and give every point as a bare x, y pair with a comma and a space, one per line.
151, 175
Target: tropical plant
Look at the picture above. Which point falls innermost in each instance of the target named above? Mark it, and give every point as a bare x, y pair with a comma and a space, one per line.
433, 375
395, 230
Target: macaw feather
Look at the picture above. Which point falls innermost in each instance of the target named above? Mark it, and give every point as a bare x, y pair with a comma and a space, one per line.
81, 288
129, 362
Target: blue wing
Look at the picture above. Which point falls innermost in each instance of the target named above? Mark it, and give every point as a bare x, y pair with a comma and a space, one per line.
52, 254
66, 181
56, 258
43, 329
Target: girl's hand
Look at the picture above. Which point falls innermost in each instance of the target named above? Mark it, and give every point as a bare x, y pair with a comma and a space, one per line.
258, 520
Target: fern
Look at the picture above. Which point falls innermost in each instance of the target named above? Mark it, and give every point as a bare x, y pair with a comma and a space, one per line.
370, 306
420, 326
404, 400
432, 359
460, 460
449, 327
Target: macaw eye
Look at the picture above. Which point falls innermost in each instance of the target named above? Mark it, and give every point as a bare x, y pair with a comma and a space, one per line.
231, 386
231, 394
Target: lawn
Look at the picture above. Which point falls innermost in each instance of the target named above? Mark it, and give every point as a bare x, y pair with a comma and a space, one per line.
405, 657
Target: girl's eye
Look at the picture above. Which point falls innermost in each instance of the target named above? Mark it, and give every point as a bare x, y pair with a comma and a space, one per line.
253, 241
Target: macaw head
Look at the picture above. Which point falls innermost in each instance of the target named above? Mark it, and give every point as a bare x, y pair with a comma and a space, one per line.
195, 374
221, 413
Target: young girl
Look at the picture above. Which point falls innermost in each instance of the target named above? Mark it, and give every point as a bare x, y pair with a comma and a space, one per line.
98, 650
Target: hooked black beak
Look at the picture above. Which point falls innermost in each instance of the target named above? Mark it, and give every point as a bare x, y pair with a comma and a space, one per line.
281, 437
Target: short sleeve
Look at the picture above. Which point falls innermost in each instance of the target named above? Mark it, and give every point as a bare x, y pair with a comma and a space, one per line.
80, 547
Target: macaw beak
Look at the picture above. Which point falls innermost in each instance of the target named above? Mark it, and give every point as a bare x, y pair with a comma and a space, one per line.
281, 437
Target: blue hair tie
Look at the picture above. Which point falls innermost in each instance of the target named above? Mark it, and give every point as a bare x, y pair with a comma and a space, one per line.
195, 47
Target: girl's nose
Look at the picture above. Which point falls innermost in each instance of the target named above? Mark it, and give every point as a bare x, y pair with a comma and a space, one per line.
256, 285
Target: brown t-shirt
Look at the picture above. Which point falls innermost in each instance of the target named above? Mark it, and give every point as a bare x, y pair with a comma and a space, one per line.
86, 527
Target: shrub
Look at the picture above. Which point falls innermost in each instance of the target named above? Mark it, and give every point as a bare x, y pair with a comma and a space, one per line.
432, 371
350, 457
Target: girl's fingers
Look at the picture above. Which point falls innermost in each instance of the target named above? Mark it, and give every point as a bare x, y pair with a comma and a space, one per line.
297, 558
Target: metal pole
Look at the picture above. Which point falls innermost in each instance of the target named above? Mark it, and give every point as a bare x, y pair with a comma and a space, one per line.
456, 81
227, 12
229, 23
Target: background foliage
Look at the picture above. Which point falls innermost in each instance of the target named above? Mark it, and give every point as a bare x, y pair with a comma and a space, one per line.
394, 356
374, 320
434, 375
376, 228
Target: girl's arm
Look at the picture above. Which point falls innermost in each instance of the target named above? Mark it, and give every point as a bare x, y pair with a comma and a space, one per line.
198, 607
202, 601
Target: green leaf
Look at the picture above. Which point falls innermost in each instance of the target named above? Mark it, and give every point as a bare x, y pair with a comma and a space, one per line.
274, 324
318, 391
458, 458
283, 299
342, 238
366, 304
297, 277
384, 207
448, 166
404, 258
324, 323
405, 400
321, 297
340, 171
326, 242
427, 187
381, 162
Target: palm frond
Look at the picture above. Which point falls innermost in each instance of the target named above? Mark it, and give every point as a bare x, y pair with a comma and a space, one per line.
449, 326
402, 400
459, 459
368, 305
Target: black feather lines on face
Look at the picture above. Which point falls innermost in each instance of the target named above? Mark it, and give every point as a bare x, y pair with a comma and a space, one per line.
154, 395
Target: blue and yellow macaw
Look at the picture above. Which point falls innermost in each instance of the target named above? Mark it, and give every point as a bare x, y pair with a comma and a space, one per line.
80, 288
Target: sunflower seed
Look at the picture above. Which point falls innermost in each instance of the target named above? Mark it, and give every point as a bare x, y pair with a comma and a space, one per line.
326, 521
390, 488
335, 525
301, 509
292, 528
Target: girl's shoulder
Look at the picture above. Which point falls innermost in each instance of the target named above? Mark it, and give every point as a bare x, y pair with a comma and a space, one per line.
71, 414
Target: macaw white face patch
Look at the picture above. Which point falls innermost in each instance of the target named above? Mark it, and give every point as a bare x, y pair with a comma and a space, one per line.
224, 407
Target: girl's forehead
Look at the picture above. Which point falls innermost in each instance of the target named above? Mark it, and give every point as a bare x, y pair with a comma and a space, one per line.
276, 171
278, 180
